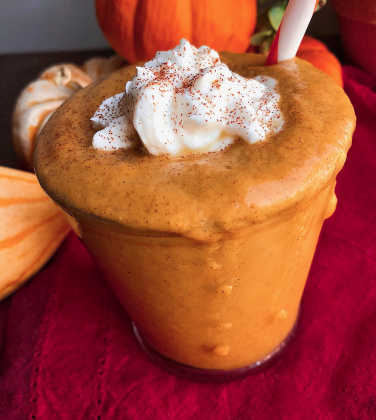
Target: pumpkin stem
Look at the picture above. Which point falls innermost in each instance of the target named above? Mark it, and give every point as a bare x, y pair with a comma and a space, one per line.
63, 77
320, 5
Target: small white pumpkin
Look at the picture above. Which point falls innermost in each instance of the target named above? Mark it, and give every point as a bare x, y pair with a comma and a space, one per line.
99, 67
40, 99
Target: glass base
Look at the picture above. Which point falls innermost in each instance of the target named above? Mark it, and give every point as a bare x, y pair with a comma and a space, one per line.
214, 375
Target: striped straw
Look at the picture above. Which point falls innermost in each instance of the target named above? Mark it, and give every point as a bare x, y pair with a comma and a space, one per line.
291, 30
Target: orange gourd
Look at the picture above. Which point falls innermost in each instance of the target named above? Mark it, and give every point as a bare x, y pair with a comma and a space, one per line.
137, 29
40, 99
316, 53
31, 228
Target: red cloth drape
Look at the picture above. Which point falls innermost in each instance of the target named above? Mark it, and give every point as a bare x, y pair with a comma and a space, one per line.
67, 350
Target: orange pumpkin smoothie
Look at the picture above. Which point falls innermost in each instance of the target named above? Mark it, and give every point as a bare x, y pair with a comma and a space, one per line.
208, 253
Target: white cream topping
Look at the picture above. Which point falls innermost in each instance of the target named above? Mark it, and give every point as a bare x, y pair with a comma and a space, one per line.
186, 101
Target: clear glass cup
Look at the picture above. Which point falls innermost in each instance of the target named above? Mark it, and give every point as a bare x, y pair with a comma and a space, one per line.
215, 310
212, 308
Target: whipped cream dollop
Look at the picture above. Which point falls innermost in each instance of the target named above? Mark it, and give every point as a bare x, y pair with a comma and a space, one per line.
186, 101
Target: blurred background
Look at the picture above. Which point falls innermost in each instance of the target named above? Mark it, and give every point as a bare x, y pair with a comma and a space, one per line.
48, 25
62, 25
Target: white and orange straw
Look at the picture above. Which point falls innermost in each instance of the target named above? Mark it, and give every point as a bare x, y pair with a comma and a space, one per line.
291, 30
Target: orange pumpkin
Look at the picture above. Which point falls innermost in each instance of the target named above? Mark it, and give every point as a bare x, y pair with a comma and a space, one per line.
137, 29
31, 228
316, 53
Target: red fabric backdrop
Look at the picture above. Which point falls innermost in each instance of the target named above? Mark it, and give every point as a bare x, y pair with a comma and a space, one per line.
67, 349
